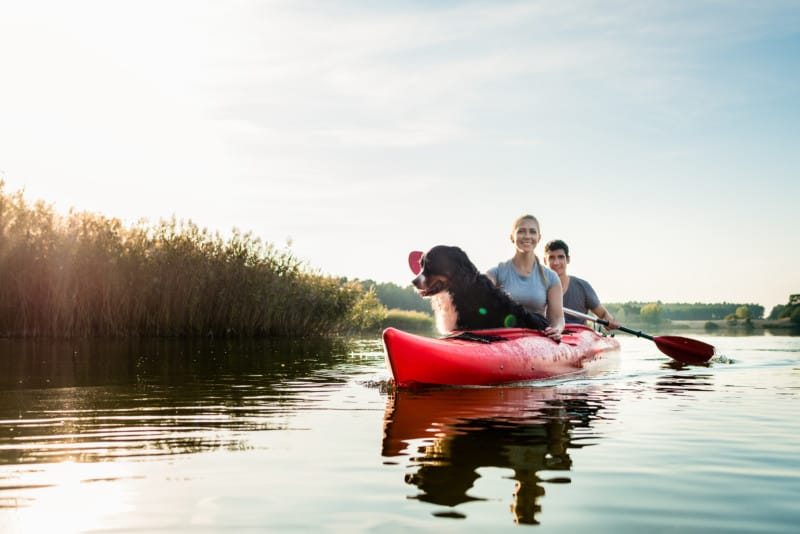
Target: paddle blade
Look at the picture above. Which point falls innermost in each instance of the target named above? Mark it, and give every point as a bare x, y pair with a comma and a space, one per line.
413, 261
684, 349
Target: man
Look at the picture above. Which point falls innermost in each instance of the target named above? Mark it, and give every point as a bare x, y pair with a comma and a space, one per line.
578, 293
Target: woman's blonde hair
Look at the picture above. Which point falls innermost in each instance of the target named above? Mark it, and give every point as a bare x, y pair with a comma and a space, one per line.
517, 222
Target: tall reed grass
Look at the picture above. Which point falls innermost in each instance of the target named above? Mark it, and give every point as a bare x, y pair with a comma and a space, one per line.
83, 274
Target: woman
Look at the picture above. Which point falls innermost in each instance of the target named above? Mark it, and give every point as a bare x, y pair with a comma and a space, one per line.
527, 280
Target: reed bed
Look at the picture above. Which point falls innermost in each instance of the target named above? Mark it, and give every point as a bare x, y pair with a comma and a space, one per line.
86, 275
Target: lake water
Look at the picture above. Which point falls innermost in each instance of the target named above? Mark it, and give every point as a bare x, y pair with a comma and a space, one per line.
158, 436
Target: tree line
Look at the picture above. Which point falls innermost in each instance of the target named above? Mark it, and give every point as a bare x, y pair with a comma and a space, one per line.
682, 311
790, 310
393, 296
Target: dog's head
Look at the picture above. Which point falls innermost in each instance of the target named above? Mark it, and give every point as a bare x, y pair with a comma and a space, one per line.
444, 269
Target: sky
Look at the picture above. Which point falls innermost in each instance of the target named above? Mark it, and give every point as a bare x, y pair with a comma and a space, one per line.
660, 140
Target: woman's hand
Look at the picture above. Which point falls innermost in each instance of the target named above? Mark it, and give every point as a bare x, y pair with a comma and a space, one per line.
553, 333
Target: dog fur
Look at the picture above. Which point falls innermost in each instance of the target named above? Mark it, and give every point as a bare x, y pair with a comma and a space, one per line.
464, 299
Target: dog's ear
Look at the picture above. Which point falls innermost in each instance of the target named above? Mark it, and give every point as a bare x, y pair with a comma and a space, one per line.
428, 260
465, 271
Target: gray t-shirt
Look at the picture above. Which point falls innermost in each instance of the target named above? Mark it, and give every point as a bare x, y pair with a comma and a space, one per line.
530, 291
580, 296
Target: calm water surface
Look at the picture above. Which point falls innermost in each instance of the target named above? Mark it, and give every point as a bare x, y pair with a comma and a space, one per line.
225, 437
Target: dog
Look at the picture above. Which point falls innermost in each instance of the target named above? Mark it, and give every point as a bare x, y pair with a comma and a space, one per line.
464, 299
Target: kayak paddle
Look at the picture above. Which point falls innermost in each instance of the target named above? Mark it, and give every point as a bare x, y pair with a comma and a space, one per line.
679, 348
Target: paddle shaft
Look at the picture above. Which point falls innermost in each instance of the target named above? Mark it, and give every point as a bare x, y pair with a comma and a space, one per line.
637, 333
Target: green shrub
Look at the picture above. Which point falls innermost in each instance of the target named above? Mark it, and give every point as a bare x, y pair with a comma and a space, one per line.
711, 326
412, 320
652, 313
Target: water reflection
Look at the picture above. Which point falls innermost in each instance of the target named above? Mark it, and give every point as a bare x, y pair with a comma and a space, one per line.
37, 363
449, 434
85, 401
684, 384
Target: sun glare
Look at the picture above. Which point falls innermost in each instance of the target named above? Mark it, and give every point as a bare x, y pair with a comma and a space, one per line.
70, 497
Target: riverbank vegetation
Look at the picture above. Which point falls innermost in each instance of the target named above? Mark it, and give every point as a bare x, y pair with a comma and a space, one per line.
710, 316
790, 311
681, 311
83, 274
409, 320
713, 316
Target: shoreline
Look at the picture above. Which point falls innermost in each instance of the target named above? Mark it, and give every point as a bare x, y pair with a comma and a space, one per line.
721, 324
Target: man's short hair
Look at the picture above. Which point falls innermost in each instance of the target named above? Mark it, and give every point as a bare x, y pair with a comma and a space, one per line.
556, 244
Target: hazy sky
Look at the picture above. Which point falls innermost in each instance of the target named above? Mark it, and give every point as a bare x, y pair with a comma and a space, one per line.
661, 140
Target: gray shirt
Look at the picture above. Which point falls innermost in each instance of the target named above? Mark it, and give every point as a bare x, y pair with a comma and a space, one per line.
580, 296
531, 290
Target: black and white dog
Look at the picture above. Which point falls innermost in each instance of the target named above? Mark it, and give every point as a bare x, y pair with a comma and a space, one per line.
464, 299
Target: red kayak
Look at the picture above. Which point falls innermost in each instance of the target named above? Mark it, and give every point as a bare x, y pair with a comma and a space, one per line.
489, 357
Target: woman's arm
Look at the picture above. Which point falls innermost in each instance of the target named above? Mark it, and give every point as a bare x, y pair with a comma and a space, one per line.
555, 311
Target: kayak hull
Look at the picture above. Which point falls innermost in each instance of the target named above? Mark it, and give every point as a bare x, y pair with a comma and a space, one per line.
490, 357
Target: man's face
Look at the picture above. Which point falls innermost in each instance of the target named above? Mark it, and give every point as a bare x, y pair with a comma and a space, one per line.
557, 260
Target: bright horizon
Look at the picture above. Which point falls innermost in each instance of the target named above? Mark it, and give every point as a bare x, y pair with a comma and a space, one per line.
658, 140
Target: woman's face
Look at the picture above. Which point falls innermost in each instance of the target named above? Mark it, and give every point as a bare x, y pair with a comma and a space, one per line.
526, 235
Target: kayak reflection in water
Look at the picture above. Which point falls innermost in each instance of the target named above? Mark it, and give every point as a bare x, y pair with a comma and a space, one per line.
521, 428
